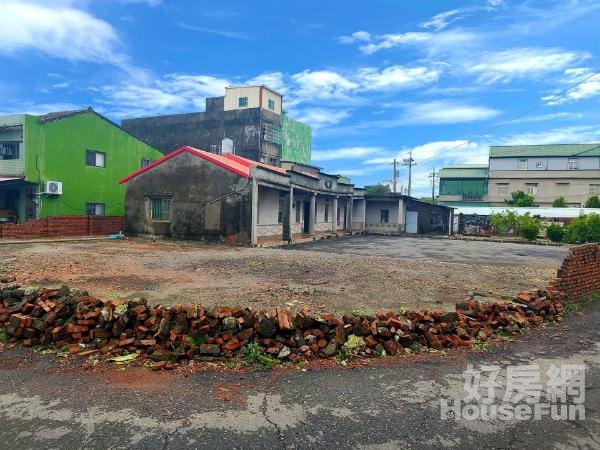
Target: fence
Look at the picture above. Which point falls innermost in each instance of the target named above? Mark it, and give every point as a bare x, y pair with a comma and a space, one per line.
63, 226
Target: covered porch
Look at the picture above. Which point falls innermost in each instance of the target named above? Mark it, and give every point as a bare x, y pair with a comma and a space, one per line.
18, 200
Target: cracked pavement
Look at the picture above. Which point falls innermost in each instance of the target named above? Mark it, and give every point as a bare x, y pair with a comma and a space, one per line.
44, 403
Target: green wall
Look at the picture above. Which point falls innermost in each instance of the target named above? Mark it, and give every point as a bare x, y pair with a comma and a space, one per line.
463, 187
297, 141
59, 149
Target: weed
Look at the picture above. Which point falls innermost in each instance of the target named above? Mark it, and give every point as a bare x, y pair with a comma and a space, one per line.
121, 309
357, 312
196, 340
3, 336
481, 345
574, 307
229, 363
404, 310
254, 355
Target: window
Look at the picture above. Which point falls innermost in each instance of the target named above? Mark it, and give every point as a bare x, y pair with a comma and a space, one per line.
522, 164
326, 212
435, 220
243, 102
160, 209
9, 150
95, 159
539, 165
280, 210
146, 162
385, 216
95, 209
503, 189
594, 189
573, 164
298, 212
271, 105
532, 188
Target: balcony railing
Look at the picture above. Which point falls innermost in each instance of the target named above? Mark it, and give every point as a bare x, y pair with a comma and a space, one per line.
12, 167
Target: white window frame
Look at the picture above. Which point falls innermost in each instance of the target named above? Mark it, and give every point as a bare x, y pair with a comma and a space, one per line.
594, 189
99, 158
522, 164
531, 188
502, 189
573, 164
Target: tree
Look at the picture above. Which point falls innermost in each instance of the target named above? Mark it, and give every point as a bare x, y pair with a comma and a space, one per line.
520, 199
593, 202
505, 223
529, 227
583, 229
555, 232
560, 202
378, 189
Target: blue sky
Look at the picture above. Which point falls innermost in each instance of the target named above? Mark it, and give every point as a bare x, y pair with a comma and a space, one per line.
374, 79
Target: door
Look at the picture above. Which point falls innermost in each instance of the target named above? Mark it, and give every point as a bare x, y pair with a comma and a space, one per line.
306, 216
412, 219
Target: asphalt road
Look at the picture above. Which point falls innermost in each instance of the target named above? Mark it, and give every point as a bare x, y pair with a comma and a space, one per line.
44, 404
440, 249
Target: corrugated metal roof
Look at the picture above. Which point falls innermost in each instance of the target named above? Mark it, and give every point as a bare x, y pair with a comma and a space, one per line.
249, 163
507, 151
465, 171
58, 115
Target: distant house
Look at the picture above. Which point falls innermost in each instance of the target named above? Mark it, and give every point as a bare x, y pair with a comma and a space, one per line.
463, 185
546, 172
65, 164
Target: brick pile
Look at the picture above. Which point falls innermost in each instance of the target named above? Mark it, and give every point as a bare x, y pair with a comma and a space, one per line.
87, 325
63, 226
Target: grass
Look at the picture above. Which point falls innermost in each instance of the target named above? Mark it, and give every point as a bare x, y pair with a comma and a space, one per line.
481, 345
196, 340
254, 355
3, 336
574, 307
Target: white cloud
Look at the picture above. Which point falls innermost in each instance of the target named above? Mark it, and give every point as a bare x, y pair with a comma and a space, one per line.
586, 89
446, 112
321, 117
323, 84
431, 43
526, 62
496, 3
59, 31
563, 135
357, 36
28, 107
548, 117
219, 32
345, 153
275, 80
441, 20
397, 77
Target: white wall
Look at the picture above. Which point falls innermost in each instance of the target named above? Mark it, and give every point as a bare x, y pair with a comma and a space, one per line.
268, 205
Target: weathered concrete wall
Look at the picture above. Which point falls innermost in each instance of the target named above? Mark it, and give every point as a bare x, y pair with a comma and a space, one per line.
203, 129
373, 222
192, 182
268, 205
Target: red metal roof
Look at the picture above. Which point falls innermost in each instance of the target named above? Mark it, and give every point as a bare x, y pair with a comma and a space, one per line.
232, 165
249, 163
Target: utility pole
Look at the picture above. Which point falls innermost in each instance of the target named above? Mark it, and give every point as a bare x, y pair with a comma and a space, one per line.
433, 175
410, 162
395, 177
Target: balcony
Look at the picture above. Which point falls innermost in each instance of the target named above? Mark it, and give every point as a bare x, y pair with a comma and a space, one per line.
12, 167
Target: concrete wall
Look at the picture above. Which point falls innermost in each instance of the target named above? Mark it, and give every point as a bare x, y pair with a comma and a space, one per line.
268, 205
258, 97
544, 163
432, 219
192, 182
373, 222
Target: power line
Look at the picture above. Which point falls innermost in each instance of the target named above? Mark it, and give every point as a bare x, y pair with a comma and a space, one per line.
410, 162
433, 175
517, 117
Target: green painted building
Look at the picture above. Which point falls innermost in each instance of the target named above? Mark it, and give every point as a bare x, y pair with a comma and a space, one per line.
65, 164
464, 185
296, 145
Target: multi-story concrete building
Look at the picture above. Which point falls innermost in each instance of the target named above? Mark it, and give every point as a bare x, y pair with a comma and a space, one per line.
546, 172
463, 185
249, 118
65, 164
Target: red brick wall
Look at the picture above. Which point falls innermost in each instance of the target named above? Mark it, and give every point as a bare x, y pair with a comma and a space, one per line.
63, 226
579, 274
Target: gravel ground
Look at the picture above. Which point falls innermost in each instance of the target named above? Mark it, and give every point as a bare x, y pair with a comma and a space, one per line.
369, 278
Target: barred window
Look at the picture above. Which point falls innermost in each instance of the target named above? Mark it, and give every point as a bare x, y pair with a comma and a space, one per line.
95, 209
385, 216
160, 209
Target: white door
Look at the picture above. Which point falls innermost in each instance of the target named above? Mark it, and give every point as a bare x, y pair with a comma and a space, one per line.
412, 218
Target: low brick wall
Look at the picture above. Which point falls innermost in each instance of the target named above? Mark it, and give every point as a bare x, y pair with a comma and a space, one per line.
63, 226
579, 274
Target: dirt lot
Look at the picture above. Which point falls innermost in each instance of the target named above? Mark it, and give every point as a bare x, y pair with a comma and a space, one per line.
368, 273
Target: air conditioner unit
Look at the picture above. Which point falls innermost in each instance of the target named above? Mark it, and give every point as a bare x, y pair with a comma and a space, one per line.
53, 188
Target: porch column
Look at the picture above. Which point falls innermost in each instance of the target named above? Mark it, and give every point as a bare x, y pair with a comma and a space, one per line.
288, 229
335, 215
254, 213
313, 214
364, 214
401, 216
349, 206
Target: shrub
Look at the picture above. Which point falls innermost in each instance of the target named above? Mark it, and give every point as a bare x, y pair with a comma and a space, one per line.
555, 232
378, 189
529, 227
593, 202
505, 223
583, 229
520, 199
560, 202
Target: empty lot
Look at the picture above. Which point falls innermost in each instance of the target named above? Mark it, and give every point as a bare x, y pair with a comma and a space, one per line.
340, 275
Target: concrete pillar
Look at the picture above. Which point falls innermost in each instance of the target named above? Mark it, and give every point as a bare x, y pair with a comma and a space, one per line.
288, 228
313, 214
401, 216
364, 205
254, 207
334, 215
349, 207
